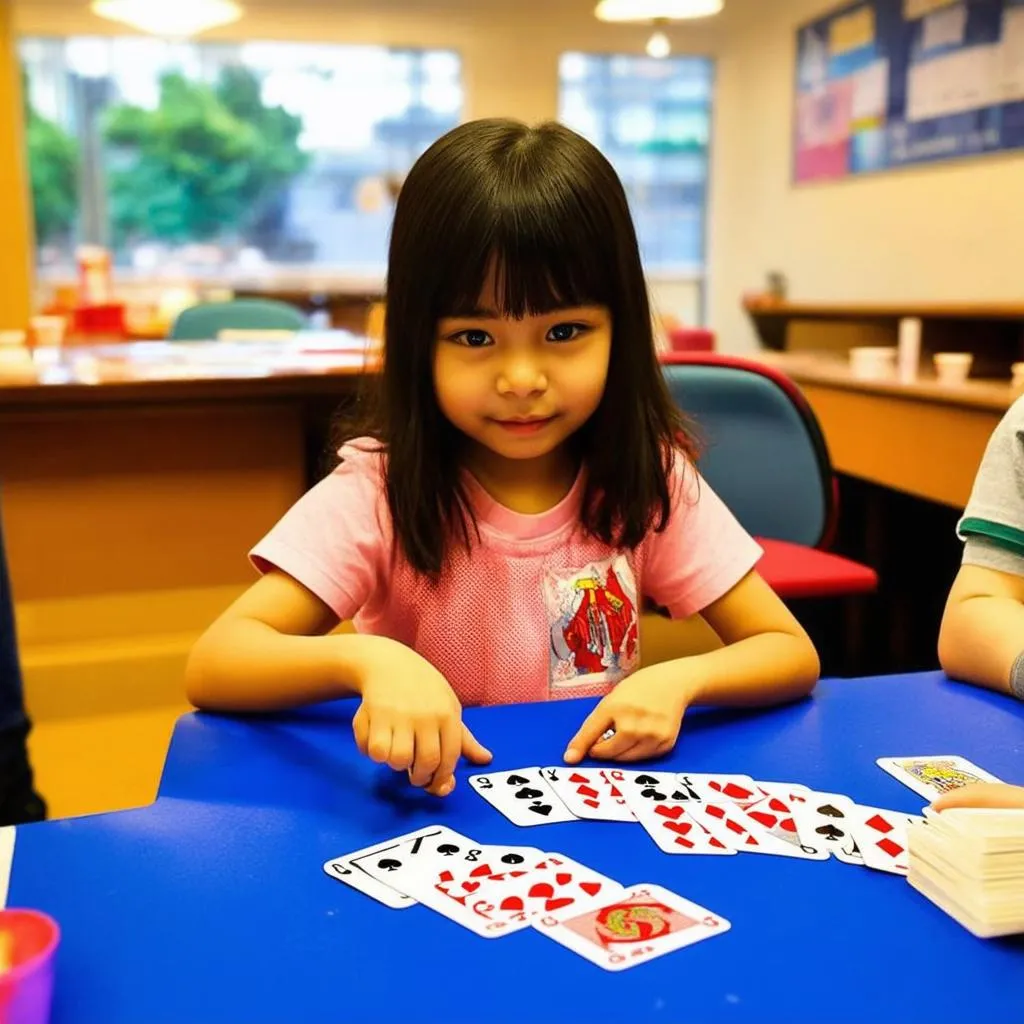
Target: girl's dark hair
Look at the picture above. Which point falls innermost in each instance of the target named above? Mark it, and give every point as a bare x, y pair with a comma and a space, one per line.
547, 211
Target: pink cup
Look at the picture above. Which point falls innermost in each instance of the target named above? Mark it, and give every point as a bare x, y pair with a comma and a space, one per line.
26, 990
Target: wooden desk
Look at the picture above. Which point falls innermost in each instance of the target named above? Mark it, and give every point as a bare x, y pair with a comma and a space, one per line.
922, 438
135, 477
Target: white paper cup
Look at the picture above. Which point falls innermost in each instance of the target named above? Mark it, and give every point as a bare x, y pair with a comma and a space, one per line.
48, 331
870, 362
952, 367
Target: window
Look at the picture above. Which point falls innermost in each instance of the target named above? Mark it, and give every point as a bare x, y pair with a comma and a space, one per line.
652, 119
213, 157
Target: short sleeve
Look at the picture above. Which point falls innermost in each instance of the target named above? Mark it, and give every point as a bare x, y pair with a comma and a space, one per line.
992, 526
334, 539
702, 553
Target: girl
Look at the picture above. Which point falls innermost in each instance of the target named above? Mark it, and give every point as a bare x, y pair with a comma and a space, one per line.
522, 484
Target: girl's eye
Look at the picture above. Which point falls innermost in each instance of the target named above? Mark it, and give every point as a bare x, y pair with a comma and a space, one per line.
565, 332
473, 338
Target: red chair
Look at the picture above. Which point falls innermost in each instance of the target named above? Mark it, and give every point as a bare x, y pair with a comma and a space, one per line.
691, 339
766, 457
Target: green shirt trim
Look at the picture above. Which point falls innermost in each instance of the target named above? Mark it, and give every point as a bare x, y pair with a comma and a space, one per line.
1008, 537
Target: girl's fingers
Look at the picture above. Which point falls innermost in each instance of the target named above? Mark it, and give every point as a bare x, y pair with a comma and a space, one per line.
427, 755
378, 743
361, 731
403, 748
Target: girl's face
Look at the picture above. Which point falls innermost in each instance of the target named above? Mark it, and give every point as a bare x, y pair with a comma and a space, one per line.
522, 388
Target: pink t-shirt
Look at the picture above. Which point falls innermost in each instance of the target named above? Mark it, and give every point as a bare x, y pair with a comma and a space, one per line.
537, 610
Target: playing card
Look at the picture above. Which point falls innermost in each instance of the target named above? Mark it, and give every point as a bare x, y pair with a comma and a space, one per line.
504, 902
665, 806
590, 792
357, 877
558, 884
931, 776
524, 796
735, 829
776, 813
881, 836
829, 818
737, 789
646, 923
404, 861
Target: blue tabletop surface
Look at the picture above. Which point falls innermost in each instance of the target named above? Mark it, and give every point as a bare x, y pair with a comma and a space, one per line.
211, 904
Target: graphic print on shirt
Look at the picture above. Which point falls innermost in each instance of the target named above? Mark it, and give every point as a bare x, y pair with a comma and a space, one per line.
592, 613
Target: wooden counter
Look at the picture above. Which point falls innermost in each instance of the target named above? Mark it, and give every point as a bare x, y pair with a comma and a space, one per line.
922, 438
134, 479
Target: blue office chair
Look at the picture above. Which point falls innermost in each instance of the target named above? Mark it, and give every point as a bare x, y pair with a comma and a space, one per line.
765, 456
205, 321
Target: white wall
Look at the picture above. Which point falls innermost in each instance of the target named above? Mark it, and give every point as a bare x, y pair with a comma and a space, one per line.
952, 231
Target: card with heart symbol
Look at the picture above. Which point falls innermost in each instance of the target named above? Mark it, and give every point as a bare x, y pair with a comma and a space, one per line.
591, 793
501, 903
524, 796
666, 807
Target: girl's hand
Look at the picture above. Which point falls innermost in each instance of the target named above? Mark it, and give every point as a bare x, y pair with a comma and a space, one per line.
646, 711
411, 720
982, 794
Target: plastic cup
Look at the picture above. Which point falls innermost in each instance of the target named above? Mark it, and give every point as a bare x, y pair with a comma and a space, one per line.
872, 363
26, 989
952, 367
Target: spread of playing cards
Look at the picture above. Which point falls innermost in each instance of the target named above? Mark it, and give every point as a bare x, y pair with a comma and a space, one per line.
495, 891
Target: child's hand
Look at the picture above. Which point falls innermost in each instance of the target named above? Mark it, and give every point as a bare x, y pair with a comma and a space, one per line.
645, 710
411, 720
982, 794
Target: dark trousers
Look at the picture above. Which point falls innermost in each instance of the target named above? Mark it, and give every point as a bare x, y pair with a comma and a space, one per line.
18, 800
12, 702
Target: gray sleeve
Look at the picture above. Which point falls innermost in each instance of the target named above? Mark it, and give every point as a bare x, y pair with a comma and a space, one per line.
990, 555
993, 522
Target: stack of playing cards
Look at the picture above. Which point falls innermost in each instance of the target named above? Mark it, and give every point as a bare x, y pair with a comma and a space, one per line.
970, 862
497, 890
712, 814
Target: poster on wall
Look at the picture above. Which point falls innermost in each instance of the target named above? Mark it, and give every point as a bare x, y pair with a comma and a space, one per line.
886, 83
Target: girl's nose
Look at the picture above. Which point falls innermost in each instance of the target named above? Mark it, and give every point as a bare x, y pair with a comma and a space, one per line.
522, 377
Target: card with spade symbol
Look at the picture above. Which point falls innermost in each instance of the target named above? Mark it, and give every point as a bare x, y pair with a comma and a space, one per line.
402, 862
357, 877
591, 793
777, 812
524, 796
665, 806
644, 923
829, 816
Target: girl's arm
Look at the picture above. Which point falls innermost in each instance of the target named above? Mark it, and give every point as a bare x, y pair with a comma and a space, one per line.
766, 658
982, 632
269, 651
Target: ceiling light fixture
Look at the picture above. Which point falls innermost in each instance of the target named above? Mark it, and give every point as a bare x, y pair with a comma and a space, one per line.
177, 19
659, 13
656, 10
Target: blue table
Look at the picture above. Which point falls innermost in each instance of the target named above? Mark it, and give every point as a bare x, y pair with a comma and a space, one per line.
211, 905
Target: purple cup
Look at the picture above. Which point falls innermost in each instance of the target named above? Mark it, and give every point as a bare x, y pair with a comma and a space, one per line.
26, 990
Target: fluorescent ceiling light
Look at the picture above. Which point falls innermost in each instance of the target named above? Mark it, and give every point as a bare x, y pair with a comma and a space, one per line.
174, 18
656, 10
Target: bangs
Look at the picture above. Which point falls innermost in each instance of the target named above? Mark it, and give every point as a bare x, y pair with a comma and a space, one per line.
540, 257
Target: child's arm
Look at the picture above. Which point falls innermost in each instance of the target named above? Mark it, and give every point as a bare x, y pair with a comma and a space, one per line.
268, 651
767, 658
982, 633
